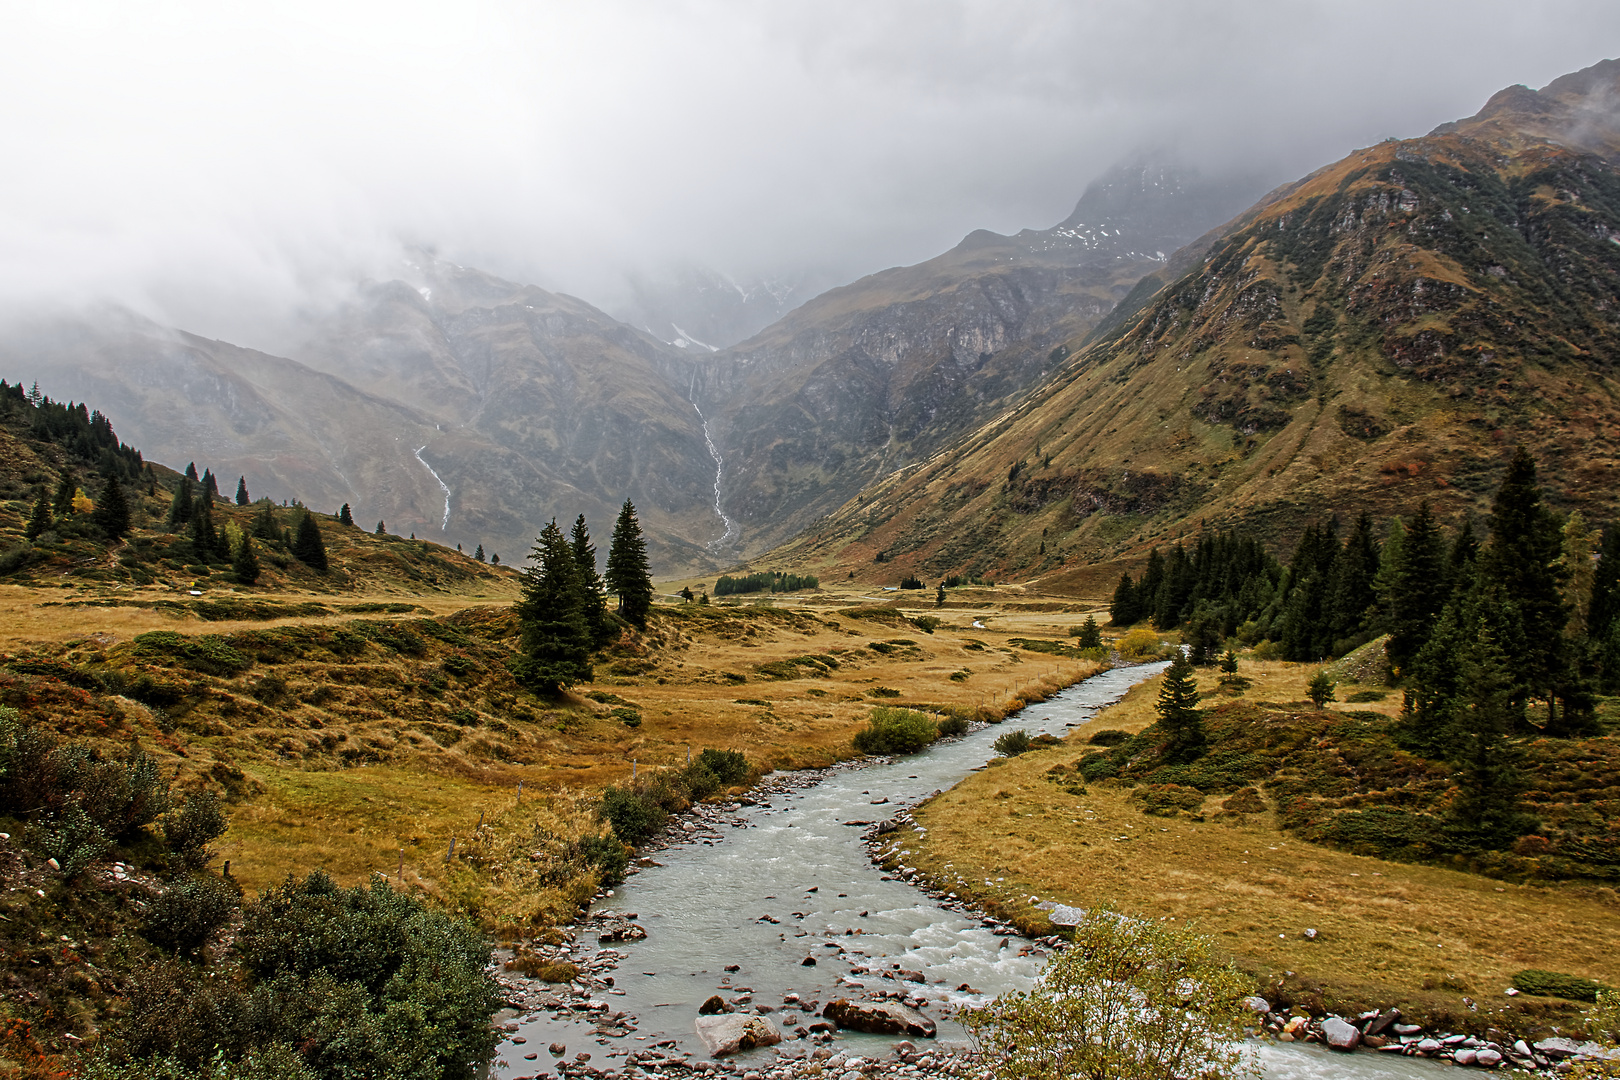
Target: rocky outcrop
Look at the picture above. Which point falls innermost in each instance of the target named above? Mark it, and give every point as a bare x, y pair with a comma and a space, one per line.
878, 1018
732, 1033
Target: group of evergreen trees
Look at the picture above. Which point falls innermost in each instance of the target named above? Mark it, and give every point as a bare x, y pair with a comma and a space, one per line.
563, 609
765, 581
1525, 611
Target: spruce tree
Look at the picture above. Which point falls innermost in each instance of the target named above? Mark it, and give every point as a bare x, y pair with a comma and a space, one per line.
191, 471
628, 573
1353, 588
62, 501
344, 516
555, 644
1488, 813
111, 515
180, 507
593, 598
39, 519
209, 485
245, 562
479, 553
1524, 561
1123, 610
242, 492
382, 530
205, 539
1090, 636
1179, 716
264, 522
307, 545
1419, 591
1148, 588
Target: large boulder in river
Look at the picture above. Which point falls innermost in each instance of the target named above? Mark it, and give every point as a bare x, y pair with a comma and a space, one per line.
878, 1018
734, 1032
1340, 1035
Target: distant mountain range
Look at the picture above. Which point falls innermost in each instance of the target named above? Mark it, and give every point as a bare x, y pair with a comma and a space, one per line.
1379, 333
453, 404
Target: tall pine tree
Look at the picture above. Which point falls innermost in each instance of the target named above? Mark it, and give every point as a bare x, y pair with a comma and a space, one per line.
111, 515
39, 519
593, 598
245, 562
205, 539
1419, 588
345, 517
181, 506
628, 573
1487, 813
554, 650
1179, 716
62, 501
307, 545
242, 492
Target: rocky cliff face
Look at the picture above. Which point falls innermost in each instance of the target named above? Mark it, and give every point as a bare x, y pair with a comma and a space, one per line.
1377, 334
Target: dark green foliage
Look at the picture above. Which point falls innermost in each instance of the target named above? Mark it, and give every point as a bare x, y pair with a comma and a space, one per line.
1603, 613
628, 574
242, 491
939, 596
205, 539
954, 724
1202, 637
1557, 984
191, 827
1487, 712
1179, 717
344, 516
186, 913
1108, 737
1012, 743
111, 515
39, 518
264, 522
245, 562
307, 545
180, 506
895, 731
62, 501
593, 597
207, 653
1125, 608
911, 581
208, 485
382, 530
607, 854
1098, 767
479, 554
1321, 689
273, 1062
555, 647
728, 766
635, 819
1088, 634
765, 581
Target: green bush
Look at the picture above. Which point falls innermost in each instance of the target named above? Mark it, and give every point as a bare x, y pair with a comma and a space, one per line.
607, 855
728, 766
1012, 743
895, 731
273, 1062
1098, 767
187, 912
927, 623
629, 716
634, 817
953, 724
1166, 800
1108, 737
1557, 984
189, 829
72, 838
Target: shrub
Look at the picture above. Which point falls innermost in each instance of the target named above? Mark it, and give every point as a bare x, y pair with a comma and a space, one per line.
629, 716
1108, 737
927, 623
274, 1062
895, 731
954, 724
1320, 689
1166, 800
187, 912
1139, 644
1098, 767
607, 855
19, 555
1269, 650
728, 766
1134, 997
72, 838
634, 817
883, 692
1557, 984
190, 829
1012, 743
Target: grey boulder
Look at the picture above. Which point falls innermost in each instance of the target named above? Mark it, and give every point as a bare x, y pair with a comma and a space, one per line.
878, 1018
1340, 1035
730, 1033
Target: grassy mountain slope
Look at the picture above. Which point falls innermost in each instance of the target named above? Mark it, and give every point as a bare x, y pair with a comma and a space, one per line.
1382, 332
889, 369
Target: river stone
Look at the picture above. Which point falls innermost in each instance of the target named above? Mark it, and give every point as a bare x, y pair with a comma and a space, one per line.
1256, 1004
878, 1018
1558, 1048
1382, 1022
1465, 1056
714, 1006
1064, 915
734, 1032
1340, 1035
1488, 1058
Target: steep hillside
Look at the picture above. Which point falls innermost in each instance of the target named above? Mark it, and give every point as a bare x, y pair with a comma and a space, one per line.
1380, 333
882, 372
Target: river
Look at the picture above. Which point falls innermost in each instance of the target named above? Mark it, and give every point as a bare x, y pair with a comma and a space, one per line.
788, 880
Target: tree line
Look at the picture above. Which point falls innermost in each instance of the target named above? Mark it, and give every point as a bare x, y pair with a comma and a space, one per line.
765, 581
563, 612
1526, 609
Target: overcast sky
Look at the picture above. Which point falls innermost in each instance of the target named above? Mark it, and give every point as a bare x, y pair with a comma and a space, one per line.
217, 164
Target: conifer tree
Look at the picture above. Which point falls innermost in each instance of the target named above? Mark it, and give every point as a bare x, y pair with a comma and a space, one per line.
1123, 610
1579, 573
62, 501
1090, 636
180, 507
264, 522
191, 471
111, 515
1603, 627
307, 545
1524, 562
1354, 579
204, 537
1419, 591
479, 553
346, 518
555, 645
242, 492
209, 485
628, 573
1382, 617
1179, 715
245, 562
1148, 589
382, 530
1488, 812
39, 519
593, 598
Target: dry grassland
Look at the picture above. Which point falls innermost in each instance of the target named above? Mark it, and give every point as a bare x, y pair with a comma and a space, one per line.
1387, 932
